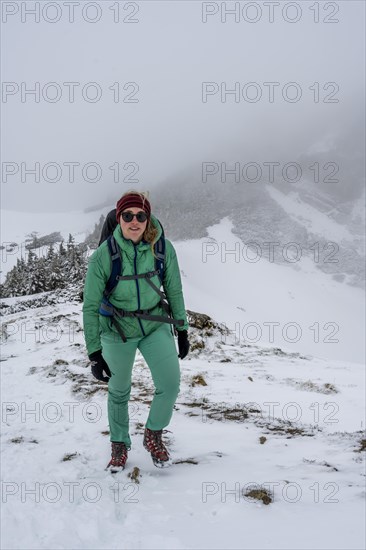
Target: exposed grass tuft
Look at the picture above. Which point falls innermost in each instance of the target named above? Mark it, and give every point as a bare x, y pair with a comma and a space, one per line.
135, 475
70, 456
260, 494
198, 380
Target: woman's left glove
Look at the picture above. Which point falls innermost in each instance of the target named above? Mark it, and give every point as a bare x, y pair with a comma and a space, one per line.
98, 365
183, 343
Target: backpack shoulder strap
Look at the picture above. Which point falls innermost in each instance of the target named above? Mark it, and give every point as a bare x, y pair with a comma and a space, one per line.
116, 261
159, 251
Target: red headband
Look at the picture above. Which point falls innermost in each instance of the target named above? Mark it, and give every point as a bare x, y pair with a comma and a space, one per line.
132, 200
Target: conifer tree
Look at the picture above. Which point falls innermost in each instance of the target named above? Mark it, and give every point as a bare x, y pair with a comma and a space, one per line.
57, 270
32, 284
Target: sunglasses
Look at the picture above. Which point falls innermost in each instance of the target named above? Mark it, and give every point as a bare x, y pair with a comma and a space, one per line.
128, 216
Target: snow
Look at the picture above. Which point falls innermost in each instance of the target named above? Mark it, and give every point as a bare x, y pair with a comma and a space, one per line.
51, 503
16, 227
358, 210
313, 312
308, 216
55, 446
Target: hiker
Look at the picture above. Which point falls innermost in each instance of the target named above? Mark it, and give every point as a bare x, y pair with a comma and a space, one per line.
125, 310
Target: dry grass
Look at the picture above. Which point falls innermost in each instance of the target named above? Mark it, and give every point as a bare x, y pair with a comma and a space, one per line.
260, 494
135, 475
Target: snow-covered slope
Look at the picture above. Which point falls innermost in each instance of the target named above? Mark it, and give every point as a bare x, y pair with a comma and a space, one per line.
248, 417
288, 304
311, 218
296, 306
325, 223
274, 404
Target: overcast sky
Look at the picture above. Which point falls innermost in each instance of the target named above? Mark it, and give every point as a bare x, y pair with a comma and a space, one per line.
161, 125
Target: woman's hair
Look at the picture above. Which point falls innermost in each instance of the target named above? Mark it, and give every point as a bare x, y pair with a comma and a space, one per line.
151, 232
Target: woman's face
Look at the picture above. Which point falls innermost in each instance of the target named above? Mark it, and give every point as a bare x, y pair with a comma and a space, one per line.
134, 229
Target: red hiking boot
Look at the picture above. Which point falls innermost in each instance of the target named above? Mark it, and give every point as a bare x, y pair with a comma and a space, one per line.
154, 444
119, 457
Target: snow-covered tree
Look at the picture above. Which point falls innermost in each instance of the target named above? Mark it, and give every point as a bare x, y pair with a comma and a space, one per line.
60, 268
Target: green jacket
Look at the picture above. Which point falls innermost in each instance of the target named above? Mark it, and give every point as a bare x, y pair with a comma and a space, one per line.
130, 295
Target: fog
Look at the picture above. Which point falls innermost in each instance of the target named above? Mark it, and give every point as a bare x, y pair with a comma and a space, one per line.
165, 120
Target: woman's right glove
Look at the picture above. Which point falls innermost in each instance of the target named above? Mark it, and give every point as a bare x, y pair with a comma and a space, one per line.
183, 343
98, 365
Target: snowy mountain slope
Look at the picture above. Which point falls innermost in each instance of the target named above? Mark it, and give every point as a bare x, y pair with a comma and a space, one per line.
282, 410
296, 307
287, 304
329, 217
310, 217
55, 446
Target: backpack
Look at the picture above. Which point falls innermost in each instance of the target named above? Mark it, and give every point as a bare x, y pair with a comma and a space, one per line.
109, 310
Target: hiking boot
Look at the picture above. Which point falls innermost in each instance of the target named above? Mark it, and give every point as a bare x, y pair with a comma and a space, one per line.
154, 444
119, 457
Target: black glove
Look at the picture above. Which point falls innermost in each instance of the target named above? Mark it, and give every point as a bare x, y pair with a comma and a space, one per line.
99, 365
183, 343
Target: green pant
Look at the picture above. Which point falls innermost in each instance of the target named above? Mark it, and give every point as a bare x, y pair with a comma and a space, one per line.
159, 352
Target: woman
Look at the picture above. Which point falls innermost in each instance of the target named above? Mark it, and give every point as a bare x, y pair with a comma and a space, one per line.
133, 316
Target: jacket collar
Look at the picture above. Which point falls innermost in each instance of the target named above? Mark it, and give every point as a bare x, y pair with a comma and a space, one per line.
128, 245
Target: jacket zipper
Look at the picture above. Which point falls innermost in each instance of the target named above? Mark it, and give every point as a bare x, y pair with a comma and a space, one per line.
138, 289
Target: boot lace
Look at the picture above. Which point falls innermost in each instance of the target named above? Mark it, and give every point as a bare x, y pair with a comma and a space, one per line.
119, 454
154, 443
